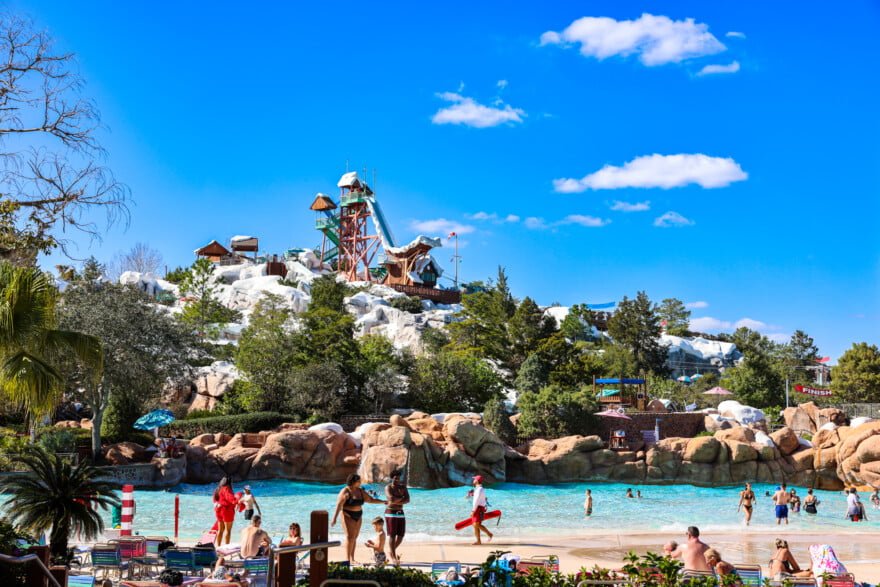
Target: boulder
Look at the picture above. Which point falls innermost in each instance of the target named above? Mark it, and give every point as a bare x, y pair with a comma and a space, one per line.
396, 420
745, 471
86, 424
125, 453
695, 473
211, 383
203, 440
633, 471
802, 460
741, 452
802, 417
307, 455
703, 449
785, 440
833, 415
740, 434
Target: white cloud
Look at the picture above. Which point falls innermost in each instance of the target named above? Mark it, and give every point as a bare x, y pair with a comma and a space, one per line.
502, 83
735, 35
440, 226
670, 219
750, 323
492, 217
658, 171
587, 221
655, 39
710, 324
535, 223
469, 112
696, 305
715, 69
619, 206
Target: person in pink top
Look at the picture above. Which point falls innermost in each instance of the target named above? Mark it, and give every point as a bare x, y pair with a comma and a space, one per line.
224, 509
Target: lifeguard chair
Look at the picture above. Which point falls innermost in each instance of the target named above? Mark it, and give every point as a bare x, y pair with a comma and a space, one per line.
618, 440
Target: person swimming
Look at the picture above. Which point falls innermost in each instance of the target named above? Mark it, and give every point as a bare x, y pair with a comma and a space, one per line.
810, 503
629, 493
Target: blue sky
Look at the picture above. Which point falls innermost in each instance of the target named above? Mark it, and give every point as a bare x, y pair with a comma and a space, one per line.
593, 149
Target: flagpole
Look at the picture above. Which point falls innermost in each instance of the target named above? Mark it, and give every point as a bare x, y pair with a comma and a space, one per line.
455, 258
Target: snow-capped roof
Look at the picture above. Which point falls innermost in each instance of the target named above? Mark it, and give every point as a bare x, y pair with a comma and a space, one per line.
432, 242
348, 180
240, 237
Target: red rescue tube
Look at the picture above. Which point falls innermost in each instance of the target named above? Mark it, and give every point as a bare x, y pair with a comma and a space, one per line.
469, 521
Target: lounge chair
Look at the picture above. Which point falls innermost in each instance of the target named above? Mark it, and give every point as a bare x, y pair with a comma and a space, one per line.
439, 570
180, 559
203, 557
107, 558
750, 575
80, 581
257, 570
844, 580
687, 576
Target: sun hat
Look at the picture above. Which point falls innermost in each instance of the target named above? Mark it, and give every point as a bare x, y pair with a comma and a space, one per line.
478, 478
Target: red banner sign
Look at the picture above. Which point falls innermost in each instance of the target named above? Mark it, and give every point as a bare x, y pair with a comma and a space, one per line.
812, 391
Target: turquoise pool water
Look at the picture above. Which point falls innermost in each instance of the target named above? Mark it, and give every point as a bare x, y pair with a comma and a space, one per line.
529, 510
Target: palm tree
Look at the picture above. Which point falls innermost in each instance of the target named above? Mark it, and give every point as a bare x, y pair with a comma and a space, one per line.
51, 495
30, 345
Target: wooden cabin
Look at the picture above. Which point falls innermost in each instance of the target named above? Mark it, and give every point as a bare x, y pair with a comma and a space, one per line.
245, 244
213, 251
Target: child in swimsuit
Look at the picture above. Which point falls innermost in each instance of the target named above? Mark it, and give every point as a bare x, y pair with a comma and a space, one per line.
378, 545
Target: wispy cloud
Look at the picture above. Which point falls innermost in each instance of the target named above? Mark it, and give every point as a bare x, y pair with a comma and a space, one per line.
583, 220
469, 112
502, 83
735, 35
535, 223
716, 69
656, 40
698, 305
493, 217
440, 226
672, 219
619, 206
658, 171
710, 324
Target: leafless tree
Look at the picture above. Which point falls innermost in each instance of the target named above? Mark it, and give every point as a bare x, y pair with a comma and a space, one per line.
141, 258
52, 180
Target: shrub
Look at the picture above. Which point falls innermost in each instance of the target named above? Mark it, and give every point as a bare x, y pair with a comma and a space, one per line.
411, 304
554, 412
385, 576
10, 543
496, 417
11, 443
233, 424
58, 440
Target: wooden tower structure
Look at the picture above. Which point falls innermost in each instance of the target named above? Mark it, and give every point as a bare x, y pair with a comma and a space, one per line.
328, 223
357, 247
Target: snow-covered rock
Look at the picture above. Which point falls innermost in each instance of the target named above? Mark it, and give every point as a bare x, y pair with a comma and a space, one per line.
856, 422
146, 282
743, 414
558, 313
763, 439
244, 294
331, 426
686, 354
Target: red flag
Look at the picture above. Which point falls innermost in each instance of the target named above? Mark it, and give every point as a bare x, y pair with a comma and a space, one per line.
823, 360
451, 234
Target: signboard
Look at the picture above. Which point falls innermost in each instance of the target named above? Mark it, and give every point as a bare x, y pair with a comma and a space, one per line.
812, 391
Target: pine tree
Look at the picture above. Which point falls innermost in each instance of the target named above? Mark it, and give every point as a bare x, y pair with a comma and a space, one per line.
636, 326
856, 378
676, 315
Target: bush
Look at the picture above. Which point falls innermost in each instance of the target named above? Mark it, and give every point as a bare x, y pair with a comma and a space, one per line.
11, 443
10, 543
554, 412
58, 440
411, 304
233, 424
137, 436
385, 576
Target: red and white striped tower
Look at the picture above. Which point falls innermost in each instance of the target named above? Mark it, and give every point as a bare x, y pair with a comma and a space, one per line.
127, 509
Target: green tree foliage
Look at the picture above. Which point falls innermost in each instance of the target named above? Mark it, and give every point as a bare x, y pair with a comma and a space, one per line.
53, 496
202, 311
450, 382
411, 304
482, 325
618, 361
384, 368
526, 329
318, 391
434, 339
533, 374
577, 325
143, 348
555, 411
636, 326
32, 348
756, 381
177, 275
856, 378
328, 293
676, 316
496, 417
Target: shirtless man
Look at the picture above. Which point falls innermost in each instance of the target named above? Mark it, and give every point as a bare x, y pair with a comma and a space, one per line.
747, 502
693, 553
781, 499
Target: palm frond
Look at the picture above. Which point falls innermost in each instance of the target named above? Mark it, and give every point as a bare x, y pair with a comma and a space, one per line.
88, 349
29, 380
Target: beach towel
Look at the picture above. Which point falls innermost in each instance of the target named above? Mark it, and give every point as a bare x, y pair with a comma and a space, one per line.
825, 560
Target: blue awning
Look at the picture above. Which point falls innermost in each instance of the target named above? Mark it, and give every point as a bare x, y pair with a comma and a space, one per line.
618, 381
606, 306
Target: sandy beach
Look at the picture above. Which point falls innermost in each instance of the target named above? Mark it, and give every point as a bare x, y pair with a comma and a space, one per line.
859, 551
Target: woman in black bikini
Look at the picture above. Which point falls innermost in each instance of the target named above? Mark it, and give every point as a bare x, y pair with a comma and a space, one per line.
350, 502
810, 503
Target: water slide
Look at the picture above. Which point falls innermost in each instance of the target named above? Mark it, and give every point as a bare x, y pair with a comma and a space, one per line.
381, 224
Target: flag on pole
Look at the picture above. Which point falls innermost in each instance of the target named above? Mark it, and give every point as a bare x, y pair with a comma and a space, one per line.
451, 234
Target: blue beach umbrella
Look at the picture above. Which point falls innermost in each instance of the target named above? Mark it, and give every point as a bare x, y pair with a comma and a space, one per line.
155, 419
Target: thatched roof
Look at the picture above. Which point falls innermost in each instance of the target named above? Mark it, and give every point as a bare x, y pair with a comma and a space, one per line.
322, 203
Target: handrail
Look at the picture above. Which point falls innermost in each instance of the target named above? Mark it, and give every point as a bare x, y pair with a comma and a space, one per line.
20, 560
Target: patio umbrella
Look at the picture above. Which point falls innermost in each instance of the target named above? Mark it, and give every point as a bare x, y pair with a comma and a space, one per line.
614, 414
718, 391
684, 379
154, 420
